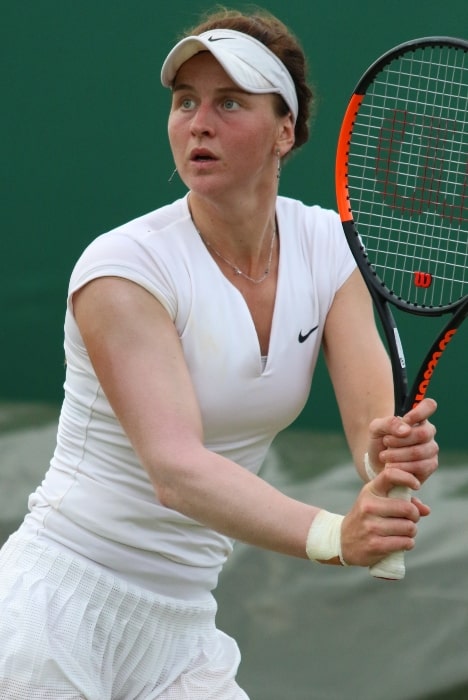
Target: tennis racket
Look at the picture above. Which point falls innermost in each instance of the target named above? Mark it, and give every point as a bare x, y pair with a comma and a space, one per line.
402, 195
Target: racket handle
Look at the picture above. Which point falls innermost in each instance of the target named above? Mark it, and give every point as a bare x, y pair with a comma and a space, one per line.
392, 567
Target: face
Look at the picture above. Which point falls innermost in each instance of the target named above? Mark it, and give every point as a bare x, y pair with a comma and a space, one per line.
222, 138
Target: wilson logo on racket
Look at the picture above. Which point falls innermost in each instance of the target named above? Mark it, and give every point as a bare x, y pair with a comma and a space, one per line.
432, 364
422, 279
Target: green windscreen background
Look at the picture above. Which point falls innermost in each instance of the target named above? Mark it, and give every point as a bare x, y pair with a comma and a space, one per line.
84, 148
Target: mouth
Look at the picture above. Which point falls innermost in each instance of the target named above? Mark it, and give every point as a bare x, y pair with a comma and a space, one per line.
202, 156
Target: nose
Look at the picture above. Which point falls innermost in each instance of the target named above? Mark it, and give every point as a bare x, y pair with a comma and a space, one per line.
203, 120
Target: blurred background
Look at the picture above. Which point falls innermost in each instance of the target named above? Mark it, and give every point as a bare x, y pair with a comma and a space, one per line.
85, 149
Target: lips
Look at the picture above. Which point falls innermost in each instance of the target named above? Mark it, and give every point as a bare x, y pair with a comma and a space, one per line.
202, 155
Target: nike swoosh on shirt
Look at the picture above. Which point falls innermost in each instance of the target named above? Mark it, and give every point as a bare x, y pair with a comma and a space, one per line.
301, 338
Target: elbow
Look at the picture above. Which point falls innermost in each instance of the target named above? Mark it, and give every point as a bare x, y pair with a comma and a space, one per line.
165, 495
173, 478
166, 483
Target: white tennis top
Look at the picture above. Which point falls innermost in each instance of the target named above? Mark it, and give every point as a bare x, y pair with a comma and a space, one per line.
96, 498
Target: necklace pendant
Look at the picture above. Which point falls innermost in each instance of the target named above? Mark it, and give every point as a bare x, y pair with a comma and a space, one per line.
237, 271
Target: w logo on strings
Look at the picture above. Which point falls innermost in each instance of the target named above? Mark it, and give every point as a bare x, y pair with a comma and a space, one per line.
422, 166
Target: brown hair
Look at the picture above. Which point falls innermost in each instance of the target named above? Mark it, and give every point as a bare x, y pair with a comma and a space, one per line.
268, 29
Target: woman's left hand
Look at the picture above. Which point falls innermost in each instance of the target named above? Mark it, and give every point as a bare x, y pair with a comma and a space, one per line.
407, 443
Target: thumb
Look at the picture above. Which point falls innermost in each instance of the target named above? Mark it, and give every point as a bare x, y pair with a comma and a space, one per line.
391, 425
421, 412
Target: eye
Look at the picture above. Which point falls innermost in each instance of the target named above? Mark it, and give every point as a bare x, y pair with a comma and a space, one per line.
230, 105
187, 103
182, 101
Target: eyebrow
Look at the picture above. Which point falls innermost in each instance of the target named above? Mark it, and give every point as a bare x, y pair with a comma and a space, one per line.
234, 88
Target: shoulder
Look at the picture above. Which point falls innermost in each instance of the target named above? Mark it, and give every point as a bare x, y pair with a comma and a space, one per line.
143, 231
310, 218
318, 227
318, 238
138, 242
145, 250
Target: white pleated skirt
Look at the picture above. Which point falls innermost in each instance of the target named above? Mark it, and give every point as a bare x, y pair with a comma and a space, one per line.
70, 630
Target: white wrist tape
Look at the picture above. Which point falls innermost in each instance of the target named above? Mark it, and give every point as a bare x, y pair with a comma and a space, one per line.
324, 537
368, 467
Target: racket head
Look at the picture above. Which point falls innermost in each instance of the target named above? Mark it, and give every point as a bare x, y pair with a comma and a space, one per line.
402, 175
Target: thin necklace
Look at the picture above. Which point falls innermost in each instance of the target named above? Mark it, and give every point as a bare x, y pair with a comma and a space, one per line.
237, 270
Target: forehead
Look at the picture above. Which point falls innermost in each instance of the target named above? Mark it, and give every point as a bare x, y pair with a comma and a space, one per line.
201, 67
202, 73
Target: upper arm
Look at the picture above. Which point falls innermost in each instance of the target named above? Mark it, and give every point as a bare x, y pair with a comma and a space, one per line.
136, 353
357, 361
138, 359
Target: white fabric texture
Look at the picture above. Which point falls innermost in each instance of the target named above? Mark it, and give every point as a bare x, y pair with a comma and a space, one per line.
97, 500
70, 630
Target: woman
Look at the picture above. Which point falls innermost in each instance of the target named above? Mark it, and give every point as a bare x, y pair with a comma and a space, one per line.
191, 337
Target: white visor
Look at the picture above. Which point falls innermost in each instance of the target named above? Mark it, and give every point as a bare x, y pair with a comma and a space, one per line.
248, 62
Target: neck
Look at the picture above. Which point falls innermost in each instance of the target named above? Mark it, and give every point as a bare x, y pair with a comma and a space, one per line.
243, 247
239, 229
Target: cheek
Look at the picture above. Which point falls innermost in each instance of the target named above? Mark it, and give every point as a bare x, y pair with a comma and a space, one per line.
253, 146
174, 130
170, 130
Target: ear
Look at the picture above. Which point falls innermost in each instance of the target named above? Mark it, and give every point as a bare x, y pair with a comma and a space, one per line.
286, 136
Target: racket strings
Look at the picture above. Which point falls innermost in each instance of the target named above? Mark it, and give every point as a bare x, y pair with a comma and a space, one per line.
408, 175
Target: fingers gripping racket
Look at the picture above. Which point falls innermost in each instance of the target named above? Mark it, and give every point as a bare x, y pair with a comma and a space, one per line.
402, 195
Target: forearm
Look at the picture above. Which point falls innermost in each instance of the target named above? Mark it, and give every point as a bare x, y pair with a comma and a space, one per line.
356, 427
231, 500
359, 366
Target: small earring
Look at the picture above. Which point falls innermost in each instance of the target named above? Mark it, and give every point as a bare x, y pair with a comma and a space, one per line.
278, 168
173, 173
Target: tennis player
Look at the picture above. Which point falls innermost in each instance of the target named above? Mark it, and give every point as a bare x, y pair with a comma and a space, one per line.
191, 338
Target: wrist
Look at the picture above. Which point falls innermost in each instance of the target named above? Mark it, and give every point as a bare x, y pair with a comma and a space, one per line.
369, 469
324, 538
